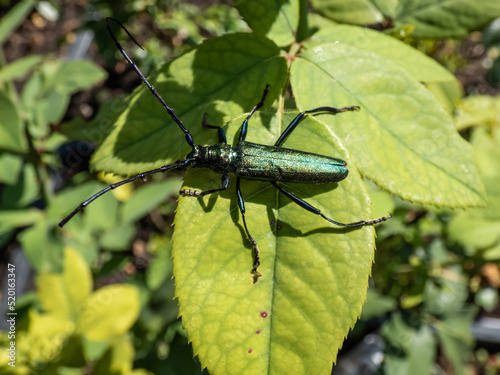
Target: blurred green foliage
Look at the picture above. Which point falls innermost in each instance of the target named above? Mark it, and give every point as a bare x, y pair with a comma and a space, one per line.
434, 270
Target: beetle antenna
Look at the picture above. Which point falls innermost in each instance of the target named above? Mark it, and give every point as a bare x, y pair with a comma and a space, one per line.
170, 111
143, 176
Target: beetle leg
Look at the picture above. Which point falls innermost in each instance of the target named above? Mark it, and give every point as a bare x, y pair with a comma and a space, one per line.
301, 116
196, 193
244, 127
220, 131
316, 211
256, 251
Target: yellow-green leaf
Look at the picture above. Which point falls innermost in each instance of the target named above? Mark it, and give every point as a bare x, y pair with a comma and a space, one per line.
420, 66
401, 138
11, 127
277, 19
61, 295
118, 359
359, 12
314, 275
478, 110
109, 312
446, 18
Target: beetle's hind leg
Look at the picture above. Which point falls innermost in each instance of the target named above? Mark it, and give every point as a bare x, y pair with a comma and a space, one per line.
317, 211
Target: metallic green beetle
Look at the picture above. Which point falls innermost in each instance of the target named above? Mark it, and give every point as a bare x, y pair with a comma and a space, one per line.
248, 161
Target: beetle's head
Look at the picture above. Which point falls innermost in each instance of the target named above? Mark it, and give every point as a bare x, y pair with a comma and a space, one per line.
198, 155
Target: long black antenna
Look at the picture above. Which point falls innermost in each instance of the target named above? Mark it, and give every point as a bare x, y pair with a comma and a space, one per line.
170, 111
142, 176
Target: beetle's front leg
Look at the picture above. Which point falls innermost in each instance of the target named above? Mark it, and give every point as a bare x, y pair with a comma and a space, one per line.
196, 193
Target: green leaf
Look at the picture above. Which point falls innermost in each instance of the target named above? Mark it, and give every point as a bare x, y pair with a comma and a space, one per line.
277, 20
101, 214
118, 238
420, 66
474, 232
109, 312
32, 90
50, 109
487, 298
491, 35
401, 139
47, 93
447, 294
19, 68
145, 199
78, 75
60, 80
478, 110
387, 7
94, 350
99, 128
377, 305
359, 12
223, 76
493, 253
316, 22
160, 267
47, 340
446, 18
486, 145
314, 275
42, 244
18, 218
10, 167
11, 127
382, 201
61, 295
480, 228
411, 348
455, 337
118, 359
14, 18
447, 93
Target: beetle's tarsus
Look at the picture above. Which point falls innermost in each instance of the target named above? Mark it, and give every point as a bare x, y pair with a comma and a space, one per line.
256, 256
256, 263
190, 193
379, 220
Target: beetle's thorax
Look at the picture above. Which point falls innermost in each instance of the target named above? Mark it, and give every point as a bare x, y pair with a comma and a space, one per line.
217, 157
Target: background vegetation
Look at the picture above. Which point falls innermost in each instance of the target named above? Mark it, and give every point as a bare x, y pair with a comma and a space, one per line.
99, 298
